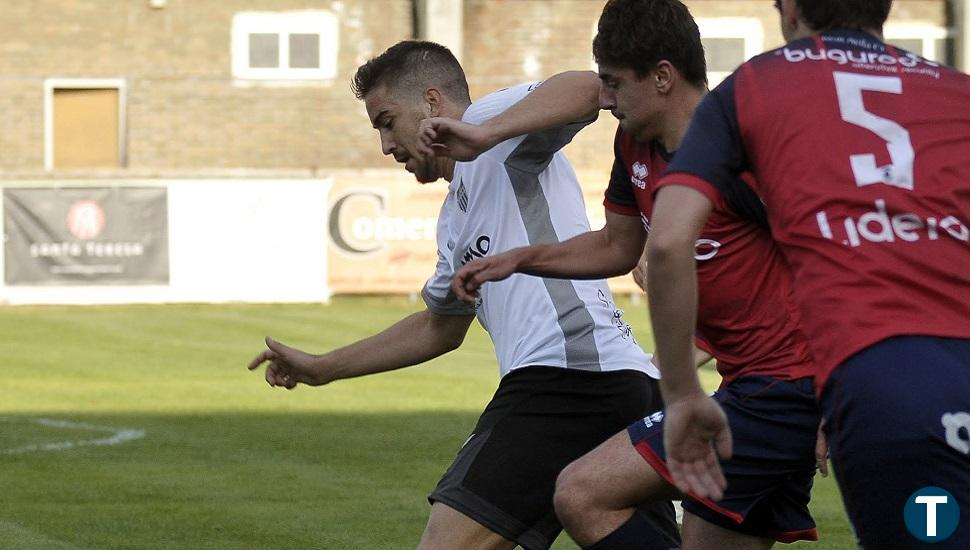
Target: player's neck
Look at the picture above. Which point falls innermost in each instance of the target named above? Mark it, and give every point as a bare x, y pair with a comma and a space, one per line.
450, 109
679, 117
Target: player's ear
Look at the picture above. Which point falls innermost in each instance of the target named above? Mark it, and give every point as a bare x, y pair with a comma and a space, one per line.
791, 20
663, 75
434, 101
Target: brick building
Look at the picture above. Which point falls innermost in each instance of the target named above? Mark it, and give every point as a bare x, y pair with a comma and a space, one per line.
102, 90
169, 66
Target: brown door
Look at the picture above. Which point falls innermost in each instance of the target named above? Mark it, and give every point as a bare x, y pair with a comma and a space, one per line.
86, 128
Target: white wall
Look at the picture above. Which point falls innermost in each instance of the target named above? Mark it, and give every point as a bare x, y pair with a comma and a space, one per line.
229, 240
441, 21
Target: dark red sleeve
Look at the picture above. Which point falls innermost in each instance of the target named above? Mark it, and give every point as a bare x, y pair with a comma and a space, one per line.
619, 194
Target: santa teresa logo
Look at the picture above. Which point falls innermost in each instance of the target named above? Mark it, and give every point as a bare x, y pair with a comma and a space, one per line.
85, 219
640, 173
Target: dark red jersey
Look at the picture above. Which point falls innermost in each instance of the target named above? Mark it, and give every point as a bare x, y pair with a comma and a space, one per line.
746, 315
861, 155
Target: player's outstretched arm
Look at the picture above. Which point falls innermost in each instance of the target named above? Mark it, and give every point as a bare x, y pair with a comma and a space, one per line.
611, 251
412, 340
567, 97
640, 271
696, 433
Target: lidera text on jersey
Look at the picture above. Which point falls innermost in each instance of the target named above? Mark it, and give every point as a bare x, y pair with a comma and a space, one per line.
878, 226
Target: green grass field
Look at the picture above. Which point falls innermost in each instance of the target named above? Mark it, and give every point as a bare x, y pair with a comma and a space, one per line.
225, 461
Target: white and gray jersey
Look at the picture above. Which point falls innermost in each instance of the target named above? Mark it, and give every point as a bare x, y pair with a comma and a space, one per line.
524, 192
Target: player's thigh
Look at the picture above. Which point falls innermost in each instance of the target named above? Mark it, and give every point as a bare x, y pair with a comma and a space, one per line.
449, 529
540, 420
699, 534
613, 476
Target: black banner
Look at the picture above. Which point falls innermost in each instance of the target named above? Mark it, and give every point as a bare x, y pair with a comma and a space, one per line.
85, 236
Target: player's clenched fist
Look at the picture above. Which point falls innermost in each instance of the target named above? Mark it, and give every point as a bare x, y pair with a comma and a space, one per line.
447, 137
470, 278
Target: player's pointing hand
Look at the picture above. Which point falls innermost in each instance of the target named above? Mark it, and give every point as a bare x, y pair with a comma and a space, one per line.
286, 367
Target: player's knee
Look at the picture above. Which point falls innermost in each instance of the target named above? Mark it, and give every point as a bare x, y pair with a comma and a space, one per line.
449, 529
433, 537
573, 497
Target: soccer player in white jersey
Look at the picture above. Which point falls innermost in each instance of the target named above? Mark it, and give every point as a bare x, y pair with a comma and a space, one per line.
572, 373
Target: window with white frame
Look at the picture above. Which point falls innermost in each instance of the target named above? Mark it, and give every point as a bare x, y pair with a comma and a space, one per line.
292, 45
729, 42
924, 39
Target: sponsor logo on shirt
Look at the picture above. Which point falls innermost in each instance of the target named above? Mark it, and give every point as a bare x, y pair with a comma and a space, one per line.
845, 57
640, 173
877, 61
626, 331
704, 249
877, 226
477, 250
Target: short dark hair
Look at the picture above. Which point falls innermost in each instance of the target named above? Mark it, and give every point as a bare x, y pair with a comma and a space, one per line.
412, 65
823, 15
637, 34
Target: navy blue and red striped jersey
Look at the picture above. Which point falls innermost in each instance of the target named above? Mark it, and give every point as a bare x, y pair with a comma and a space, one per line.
746, 315
861, 154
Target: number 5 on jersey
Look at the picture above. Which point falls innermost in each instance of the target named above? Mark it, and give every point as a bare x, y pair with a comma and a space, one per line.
899, 173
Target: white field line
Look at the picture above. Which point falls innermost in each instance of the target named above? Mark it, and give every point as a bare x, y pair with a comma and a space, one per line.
117, 436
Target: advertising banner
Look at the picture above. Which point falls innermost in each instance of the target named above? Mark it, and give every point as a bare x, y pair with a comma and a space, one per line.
85, 236
382, 233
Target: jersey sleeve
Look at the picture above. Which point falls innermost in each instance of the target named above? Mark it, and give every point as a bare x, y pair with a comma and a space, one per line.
711, 158
533, 152
619, 194
437, 293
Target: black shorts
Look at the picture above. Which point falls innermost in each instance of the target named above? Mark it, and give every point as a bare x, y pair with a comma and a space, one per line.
539, 420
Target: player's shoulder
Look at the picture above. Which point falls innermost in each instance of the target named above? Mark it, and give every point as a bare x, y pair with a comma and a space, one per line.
493, 104
488, 107
769, 64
